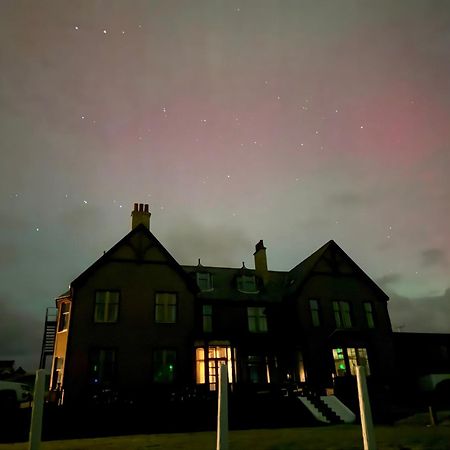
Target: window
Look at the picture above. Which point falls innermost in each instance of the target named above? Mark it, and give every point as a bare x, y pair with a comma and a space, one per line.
247, 283
200, 365
166, 308
257, 319
301, 367
342, 314
106, 306
103, 366
207, 318
204, 281
339, 362
358, 357
346, 360
368, 309
314, 308
57, 373
64, 311
258, 369
164, 366
208, 361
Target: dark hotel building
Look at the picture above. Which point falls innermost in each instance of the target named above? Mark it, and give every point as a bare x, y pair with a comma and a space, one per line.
137, 321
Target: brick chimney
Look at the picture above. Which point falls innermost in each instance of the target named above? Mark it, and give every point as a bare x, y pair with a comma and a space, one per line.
261, 262
140, 214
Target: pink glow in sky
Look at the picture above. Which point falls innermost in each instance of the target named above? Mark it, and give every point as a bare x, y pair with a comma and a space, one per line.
295, 122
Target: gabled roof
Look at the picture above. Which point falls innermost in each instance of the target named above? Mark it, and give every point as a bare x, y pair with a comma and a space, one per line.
140, 229
299, 274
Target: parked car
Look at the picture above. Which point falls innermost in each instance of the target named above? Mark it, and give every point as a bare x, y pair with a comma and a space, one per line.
13, 393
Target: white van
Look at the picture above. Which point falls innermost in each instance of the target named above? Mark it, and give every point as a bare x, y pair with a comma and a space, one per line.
13, 392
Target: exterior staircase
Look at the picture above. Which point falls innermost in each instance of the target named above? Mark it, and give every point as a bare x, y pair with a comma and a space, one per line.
48, 341
327, 409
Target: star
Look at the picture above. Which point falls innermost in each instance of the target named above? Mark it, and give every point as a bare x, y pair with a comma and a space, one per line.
76, 27
37, 229
85, 202
105, 31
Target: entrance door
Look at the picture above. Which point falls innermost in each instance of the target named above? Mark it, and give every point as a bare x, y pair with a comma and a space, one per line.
217, 356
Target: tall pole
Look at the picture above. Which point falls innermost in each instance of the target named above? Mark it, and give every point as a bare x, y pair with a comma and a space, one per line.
222, 409
368, 433
37, 412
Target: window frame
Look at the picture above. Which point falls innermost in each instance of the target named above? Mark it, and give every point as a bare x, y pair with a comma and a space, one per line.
342, 314
64, 317
107, 306
314, 312
169, 307
164, 360
207, 318
369, 314
257, 316
103, 366
243, 282
208, 280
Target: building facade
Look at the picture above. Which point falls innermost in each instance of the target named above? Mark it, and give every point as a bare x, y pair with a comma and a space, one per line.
137, 323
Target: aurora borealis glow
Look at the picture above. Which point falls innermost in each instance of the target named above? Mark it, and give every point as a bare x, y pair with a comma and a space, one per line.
295, 122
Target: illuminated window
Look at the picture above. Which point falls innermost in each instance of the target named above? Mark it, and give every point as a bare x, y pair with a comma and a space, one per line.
106, 306
257, 319
247, 283
346, 360
57, 373
164, 366
339, 362
368, 309
358, 357
301, 367
314, 308
208, 364
342, 314
204, 281
166, 308
103, 366
64, 312
207, 318
200, 365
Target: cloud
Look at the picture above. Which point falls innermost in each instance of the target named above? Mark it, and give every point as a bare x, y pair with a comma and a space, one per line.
349, 199
389, 279
426, 315
20, 334
433, 257
217, 245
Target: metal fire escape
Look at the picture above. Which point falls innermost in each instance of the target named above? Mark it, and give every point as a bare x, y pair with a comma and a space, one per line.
48, 341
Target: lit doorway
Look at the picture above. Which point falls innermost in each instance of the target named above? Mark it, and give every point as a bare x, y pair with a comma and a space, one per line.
208, 364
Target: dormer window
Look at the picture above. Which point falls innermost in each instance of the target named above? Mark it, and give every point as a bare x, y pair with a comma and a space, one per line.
204, 281
247, 283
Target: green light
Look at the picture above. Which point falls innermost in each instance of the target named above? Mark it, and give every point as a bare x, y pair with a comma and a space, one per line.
170, 367
342, 366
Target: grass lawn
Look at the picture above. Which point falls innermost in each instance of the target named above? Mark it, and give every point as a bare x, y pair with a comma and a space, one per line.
340, 437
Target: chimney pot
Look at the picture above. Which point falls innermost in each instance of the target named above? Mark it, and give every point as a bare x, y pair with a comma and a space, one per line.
261, 262
140, 215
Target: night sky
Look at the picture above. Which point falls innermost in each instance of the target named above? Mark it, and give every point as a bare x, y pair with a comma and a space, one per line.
295, 122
